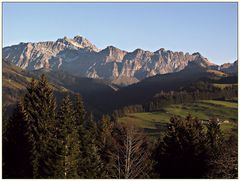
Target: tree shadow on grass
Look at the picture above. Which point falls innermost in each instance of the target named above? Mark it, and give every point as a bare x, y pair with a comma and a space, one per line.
160, 127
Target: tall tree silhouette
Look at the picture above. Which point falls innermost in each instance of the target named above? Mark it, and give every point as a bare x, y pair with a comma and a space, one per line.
16, 148
39, 112
68, 142
183, 153
90, 164
106, 143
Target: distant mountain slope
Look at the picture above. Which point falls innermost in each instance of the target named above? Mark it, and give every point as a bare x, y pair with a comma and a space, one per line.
102, 96
14, 81
78, 56
143, 91
94, 91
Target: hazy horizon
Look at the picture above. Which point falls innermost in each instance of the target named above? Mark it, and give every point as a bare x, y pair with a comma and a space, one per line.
207, 28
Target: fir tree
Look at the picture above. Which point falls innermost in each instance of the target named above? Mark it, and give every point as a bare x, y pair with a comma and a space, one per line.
5, 128
80, 111
218, 151
90, 164
39, 112
68, 142
106, 146
16, 154
80, 115
182, 154
225, 165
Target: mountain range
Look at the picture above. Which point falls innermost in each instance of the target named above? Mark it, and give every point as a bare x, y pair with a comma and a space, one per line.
79, 57
107, 79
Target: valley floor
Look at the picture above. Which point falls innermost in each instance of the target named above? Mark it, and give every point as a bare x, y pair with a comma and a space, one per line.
155, 122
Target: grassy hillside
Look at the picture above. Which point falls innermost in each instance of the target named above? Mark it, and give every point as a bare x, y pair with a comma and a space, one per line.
222, 86
153, 122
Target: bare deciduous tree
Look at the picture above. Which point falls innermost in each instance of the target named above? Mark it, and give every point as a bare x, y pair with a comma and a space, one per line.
131, 156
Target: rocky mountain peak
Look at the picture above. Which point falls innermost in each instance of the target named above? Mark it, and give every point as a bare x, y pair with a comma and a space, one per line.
113, 54
83, 41
160, 50
229, 67
226, 65
138, 50
140, 54
79, 38
197, 54
109, 48
78, 42
80, 57
112, 48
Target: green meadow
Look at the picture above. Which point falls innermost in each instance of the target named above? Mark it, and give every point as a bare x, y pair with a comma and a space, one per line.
155, 122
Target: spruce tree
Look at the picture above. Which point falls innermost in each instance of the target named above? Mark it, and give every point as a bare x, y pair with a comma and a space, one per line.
90, 164
218, 156
106, 145
39, 112
80, 115
16, 154
80, 112
68, 142
182, 154
5, 128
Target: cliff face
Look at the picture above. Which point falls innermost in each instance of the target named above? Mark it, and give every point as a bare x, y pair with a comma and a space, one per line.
79, 56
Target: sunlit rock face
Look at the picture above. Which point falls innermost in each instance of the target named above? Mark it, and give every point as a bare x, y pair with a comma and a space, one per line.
80, 57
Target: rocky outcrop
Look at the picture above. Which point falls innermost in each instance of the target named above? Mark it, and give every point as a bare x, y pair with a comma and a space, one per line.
231, 68
80, 57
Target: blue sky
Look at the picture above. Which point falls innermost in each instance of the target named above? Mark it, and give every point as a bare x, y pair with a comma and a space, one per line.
208, 28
